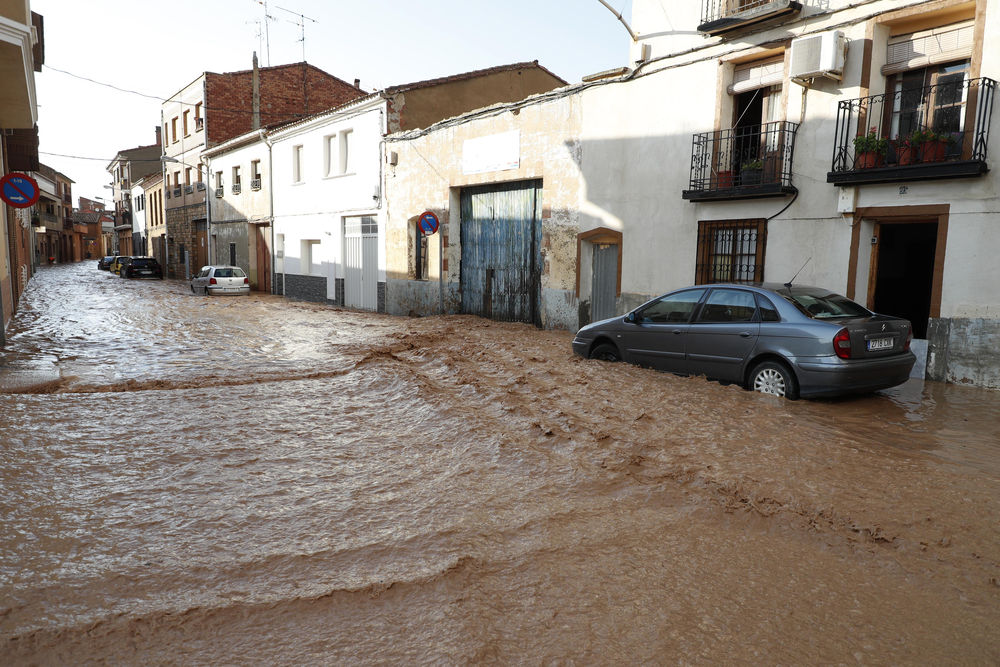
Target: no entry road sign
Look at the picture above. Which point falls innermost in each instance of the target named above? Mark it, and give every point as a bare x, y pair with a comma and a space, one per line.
19, 190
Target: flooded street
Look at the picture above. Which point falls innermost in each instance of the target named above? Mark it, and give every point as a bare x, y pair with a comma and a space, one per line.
193, 480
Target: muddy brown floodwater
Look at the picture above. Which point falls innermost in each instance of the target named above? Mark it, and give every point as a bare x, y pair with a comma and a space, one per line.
249, 481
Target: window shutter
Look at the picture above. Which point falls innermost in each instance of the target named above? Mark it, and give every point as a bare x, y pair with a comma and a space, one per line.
929, 47
761, 74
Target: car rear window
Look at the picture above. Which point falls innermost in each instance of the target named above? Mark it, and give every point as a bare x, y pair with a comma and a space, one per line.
238, 273
224, 273
826, 305
143, 262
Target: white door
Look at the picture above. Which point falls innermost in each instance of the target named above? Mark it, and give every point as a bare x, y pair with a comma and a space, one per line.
361, 262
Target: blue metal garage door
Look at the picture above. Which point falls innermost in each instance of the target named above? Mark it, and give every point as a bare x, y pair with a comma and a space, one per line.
501, 263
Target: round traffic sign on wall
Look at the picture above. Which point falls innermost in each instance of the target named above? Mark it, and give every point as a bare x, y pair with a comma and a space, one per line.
428, 223
19, 190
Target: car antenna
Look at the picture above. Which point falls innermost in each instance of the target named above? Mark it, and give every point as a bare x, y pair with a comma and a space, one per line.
789, 283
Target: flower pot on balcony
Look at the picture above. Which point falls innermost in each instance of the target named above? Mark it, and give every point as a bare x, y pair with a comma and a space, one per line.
869, 160
933, 151
724, 179
907, 155
751, 176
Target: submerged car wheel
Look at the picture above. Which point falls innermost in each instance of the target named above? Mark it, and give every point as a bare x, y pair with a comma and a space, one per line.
606, 352
774, 377
192, 290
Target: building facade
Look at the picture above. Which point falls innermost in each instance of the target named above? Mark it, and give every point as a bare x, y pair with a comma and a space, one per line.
126, 169
213, 109
844, 142
22, 52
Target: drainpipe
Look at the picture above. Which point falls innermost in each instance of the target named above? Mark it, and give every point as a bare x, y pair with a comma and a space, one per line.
208, 211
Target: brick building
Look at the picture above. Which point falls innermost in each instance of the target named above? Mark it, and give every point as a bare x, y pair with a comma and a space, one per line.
213, 109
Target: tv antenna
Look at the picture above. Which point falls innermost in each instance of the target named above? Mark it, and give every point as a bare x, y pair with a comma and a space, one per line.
267, 31
302, 25
258, 33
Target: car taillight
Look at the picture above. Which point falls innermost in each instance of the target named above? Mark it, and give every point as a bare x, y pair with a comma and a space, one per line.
842, 344
909, 337
213, 281
246, 280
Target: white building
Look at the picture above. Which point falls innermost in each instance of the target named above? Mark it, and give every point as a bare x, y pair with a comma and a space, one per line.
726, 152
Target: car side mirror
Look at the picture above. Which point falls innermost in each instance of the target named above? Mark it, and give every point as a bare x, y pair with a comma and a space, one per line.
630, 318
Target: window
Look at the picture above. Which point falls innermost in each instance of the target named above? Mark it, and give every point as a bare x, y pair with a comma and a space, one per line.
728, 305
218, 179
187, 131
173, 129
673, 308
255, 175
236, 176
731, 251
346, 141
420, 259
201, 171
199, 122
187, 176
297, 164
232, 254
177, 179
757, 134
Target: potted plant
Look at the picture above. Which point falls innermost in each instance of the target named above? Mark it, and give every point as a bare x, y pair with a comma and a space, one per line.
751, 173
870, 150
906, 150
932, 148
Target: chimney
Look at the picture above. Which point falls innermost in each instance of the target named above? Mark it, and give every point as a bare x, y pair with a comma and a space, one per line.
256, 93
357, 84
158, 142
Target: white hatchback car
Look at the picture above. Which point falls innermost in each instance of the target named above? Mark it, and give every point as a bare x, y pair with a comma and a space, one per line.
215, 280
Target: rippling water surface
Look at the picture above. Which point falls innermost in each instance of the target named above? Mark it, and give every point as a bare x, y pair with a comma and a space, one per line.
250, 481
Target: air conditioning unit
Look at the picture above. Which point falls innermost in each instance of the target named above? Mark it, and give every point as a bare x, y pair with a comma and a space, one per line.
819, 55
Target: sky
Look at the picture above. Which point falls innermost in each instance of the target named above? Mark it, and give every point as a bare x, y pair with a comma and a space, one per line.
157, 48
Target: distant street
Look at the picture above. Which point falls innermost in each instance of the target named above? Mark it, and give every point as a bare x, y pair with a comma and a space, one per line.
193, 480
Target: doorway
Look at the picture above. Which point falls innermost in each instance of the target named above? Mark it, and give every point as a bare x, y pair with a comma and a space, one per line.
604, 283
903, 268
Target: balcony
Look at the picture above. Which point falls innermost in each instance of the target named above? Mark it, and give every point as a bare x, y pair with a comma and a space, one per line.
189, 189
219, 192
255, 184
914, 134
742, 163
200, 186
177, 192
199, 124
236, 188
166, 192
722, 16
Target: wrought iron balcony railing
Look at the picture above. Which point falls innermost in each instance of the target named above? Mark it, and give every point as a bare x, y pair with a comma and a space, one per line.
219, 192
914, 133
719, 16
237, 188
255, 184
743, 162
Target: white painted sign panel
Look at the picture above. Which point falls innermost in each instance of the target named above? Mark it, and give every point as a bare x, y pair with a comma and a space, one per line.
497, 152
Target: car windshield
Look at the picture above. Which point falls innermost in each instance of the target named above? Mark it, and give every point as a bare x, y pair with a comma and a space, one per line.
825, 305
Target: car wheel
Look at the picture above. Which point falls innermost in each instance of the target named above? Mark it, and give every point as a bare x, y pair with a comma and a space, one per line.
775, 378
192, 290
207, 293
606, 352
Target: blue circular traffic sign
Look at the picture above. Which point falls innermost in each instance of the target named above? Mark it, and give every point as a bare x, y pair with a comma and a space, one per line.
428, 223
19, 190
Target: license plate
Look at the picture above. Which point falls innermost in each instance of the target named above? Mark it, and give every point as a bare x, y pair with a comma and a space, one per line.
879, 344
232, 289
145, 273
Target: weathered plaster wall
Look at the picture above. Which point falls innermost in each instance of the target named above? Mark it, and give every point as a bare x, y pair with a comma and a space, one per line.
429, 176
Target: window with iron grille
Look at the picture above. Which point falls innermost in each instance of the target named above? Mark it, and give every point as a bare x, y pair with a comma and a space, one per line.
731, 251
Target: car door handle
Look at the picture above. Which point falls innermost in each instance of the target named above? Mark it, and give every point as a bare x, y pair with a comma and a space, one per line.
677, 331
745, 334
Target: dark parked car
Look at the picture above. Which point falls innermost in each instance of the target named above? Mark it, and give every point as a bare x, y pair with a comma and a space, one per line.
777, 339
141, 267
104, 263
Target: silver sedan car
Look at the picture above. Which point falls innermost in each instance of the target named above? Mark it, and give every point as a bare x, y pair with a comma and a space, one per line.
215, 280
777, 339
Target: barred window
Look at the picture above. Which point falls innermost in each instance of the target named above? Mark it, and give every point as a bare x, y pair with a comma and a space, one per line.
731, 251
